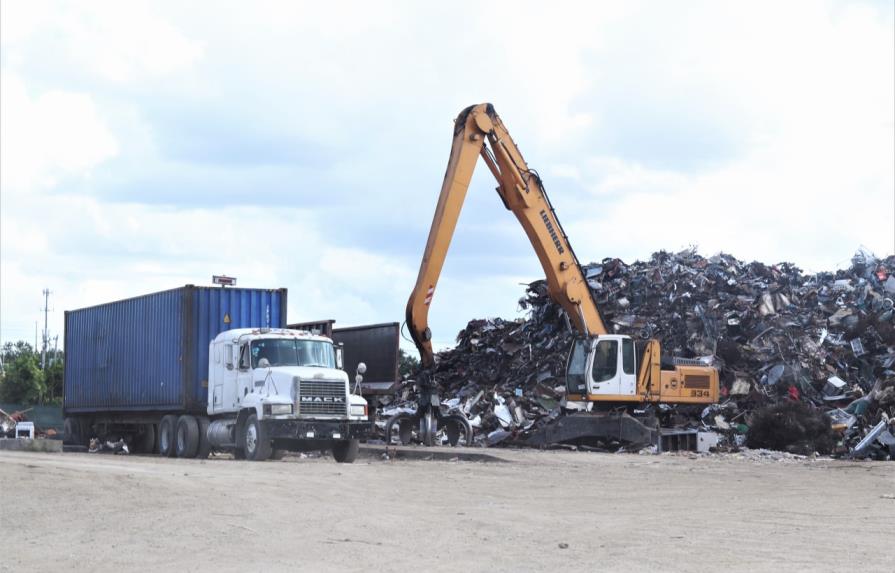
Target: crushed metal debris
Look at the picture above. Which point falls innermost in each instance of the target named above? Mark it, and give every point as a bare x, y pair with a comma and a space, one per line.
807, 361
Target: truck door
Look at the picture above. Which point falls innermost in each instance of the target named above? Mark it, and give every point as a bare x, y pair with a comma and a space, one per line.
243, 380
224, 378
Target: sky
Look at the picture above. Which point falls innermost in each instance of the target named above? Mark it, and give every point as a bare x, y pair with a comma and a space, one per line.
148, 145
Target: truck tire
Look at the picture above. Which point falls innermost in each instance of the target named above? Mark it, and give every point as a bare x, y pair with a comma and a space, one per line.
144, 441
204, 445
258, 447
85, 430
186, 442
345, 451
72, 433
167, 430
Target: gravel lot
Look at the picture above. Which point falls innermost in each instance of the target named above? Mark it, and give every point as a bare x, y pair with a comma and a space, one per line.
541, 511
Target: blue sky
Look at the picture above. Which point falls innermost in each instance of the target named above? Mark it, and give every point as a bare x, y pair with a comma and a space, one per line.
301, 145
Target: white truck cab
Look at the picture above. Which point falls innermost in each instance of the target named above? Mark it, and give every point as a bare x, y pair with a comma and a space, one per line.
277, 389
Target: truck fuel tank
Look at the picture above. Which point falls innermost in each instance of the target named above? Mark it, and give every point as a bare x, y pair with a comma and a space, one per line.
221, 433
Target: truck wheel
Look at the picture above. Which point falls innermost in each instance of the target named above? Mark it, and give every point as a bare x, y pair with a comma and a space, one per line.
345, 451
72, 433
257, 445
167, 429
187, 437
204, 444
144, 443
85, 430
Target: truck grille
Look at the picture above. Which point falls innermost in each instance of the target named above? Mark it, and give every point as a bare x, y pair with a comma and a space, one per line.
321, 397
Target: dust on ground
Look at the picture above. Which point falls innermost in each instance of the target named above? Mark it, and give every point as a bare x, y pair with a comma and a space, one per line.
544, 511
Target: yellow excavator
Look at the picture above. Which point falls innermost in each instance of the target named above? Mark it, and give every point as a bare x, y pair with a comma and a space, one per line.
608, 376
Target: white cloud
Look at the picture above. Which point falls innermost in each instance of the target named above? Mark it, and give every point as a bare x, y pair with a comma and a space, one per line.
58, 133
114, 41
135, 249
762, 129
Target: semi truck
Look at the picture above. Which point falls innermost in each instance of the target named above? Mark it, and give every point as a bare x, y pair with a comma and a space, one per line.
195, 369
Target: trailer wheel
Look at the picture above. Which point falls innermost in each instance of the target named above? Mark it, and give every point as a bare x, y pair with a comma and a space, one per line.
345, 451
72, 433
257, 444
85, 430
187, 437
167, 429
204, 445
145, 440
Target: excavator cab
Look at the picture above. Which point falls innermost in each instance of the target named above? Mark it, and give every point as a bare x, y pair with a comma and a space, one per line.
604, 366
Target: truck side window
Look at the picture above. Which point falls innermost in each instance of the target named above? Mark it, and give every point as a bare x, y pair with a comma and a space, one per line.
244, 357
628, 356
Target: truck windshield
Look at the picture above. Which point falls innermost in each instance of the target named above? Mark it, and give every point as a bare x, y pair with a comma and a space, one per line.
292, 352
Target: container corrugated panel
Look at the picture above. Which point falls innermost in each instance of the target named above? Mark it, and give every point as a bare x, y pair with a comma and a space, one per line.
376, 345
150, 353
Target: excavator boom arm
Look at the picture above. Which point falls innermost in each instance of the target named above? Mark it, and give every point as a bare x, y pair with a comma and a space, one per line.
478, 131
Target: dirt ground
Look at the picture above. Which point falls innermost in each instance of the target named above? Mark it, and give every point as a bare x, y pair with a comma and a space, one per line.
536, 511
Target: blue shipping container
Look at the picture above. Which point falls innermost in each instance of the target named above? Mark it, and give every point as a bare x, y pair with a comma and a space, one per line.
150, 353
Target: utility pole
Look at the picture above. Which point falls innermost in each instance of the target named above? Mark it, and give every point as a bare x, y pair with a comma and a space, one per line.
46, 336
55, 349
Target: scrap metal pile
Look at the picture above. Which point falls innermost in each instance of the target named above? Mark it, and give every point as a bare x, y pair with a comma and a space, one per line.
776, 334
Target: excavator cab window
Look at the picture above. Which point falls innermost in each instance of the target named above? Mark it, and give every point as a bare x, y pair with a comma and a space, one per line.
628, 356
576, 369
605, 360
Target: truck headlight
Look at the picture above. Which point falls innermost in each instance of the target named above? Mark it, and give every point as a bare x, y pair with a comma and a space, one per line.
280, 409
358, 409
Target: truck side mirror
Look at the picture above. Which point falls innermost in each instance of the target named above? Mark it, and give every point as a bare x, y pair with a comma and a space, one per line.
340, 351
358, 378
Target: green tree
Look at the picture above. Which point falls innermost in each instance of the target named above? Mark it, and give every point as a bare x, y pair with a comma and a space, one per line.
23, 380
407, 364
12, 350
53, 380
